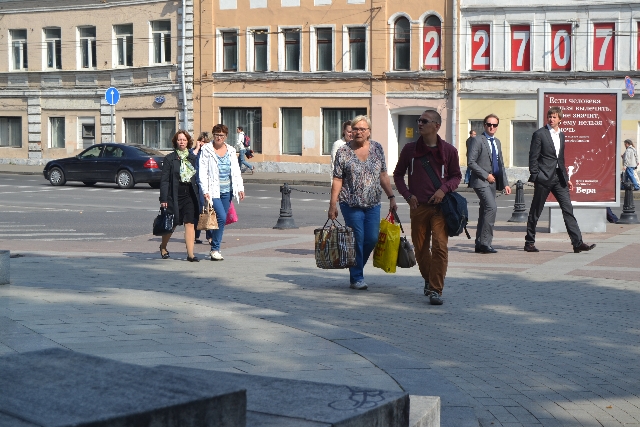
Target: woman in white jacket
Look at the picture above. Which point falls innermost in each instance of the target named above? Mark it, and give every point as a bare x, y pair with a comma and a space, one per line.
220, 181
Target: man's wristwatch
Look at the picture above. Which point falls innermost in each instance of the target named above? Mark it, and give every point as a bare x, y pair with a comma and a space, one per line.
391, 196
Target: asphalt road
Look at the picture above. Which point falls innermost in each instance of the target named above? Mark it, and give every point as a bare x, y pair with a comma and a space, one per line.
31, 208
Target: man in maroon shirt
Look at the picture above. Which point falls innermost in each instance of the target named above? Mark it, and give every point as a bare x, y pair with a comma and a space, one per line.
427, 221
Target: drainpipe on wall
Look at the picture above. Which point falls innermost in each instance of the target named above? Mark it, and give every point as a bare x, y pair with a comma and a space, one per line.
185, 109
454, 78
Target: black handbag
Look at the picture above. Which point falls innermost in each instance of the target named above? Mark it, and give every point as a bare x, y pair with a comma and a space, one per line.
406, 254
248, 153
163, 224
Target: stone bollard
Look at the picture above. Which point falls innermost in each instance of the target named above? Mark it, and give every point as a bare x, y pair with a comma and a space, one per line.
285, 222
519, 210
628, 209
5, 258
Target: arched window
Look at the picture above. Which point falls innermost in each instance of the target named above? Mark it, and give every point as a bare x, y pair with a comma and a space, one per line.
431, 41
402, 44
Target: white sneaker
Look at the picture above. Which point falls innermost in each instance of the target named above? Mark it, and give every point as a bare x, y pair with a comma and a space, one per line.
361, 286
216, 256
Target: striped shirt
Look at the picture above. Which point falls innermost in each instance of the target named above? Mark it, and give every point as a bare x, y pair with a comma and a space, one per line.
224, 166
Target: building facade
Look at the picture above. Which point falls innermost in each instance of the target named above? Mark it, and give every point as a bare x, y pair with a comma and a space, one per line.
291, 71
60, 57
509, 50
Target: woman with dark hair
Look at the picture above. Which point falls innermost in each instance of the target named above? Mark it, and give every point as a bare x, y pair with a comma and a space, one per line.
179, 191
220, 181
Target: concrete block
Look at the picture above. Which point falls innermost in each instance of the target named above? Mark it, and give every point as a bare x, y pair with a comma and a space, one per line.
305, 401
35, 154
425, 411
5, 259
591, 220
56, 387
34, 146
35, 128
34, 109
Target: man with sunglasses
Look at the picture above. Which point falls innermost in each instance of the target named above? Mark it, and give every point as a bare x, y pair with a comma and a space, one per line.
427, 222
488, 175
549, 175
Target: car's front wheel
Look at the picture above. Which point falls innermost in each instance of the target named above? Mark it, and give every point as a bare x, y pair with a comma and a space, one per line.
124, 179
56, 177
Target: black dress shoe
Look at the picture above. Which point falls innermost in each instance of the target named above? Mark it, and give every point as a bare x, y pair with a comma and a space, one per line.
530, 247
583, 247
194, 259
482, 249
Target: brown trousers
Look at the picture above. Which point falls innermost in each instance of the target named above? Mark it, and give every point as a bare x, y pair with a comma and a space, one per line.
430, 239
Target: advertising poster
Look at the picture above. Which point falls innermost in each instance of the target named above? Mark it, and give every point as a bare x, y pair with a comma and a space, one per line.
591, 127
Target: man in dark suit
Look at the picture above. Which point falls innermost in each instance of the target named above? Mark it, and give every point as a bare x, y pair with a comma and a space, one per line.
548, 173
484, 160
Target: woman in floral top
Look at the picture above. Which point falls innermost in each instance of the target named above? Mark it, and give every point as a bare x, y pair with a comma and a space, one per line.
359, 177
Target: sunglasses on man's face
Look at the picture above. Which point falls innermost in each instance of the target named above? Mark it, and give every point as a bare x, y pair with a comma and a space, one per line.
491, 125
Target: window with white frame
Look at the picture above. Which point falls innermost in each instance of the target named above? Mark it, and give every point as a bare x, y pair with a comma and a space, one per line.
357, 48
152, 132
56, 132
53, 41
260, 50
230, 50
161, 38
124, 45
251, 121
291, 49
332, 119
324, 39
292, 131
87, 47
18, 50
402, 44
11, 132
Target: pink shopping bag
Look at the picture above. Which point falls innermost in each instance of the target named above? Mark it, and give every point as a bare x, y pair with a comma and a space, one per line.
232, 216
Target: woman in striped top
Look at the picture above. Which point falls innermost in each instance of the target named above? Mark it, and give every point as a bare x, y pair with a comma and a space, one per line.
220, 181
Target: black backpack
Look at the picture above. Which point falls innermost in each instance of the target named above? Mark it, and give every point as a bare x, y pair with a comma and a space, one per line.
453, 205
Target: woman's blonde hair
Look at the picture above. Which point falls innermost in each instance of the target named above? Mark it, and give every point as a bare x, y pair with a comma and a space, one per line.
358, 119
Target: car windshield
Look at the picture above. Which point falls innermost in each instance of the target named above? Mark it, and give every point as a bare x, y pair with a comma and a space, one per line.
149, 151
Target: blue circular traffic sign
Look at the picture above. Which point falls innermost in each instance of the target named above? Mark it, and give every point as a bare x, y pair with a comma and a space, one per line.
628, 84
112, 96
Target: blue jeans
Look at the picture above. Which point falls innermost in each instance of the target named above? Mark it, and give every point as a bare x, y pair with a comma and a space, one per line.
366, 227
242, 160
221, 206
631, 176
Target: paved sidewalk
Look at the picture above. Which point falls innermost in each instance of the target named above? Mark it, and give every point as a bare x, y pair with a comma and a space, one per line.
547, 339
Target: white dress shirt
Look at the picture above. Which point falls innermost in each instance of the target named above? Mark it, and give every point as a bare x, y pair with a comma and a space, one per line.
555, 137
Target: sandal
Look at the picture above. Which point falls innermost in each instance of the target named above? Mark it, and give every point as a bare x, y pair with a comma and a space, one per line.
164, 253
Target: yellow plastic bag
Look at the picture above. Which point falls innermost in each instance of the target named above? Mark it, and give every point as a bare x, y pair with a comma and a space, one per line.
385, 255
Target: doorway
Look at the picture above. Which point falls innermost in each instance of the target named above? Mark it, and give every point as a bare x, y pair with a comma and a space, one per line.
407, 130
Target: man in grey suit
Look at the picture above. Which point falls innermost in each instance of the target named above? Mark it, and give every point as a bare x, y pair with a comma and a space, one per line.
484, 159
549, 175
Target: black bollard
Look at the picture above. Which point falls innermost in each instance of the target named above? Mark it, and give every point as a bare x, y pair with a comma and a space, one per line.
629, 208
285, 222
519, 210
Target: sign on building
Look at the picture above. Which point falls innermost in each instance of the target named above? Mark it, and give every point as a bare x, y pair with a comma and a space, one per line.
591, 127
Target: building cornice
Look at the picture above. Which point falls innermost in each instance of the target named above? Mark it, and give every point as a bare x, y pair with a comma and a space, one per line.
288, 76
57, 8
291, 95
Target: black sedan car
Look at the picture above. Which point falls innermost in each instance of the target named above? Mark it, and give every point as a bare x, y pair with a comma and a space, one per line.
124, 164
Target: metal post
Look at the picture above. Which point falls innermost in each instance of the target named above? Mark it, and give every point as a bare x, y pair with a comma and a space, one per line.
519, 210
628, 209
285, 221
112, 123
